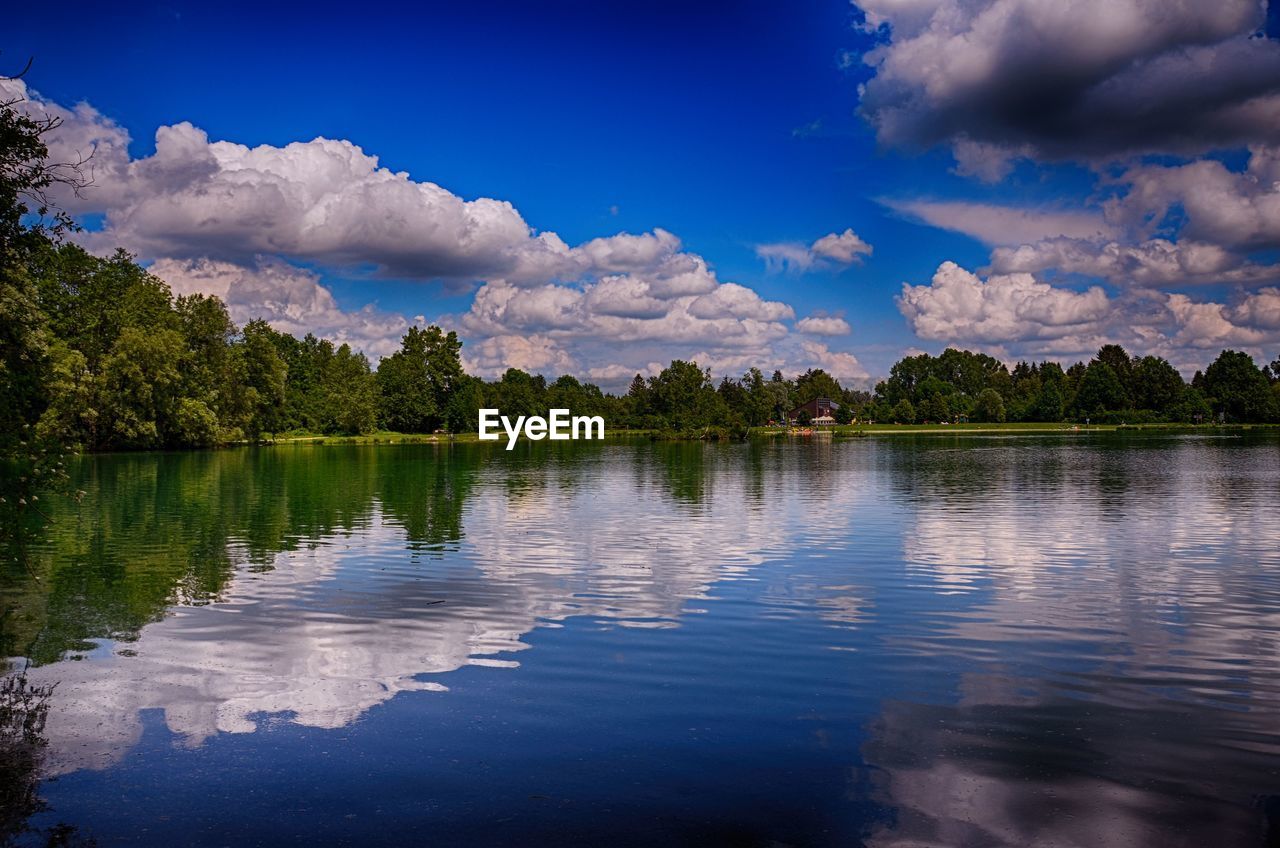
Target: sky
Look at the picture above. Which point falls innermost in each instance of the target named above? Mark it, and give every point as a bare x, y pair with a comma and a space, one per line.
598, 188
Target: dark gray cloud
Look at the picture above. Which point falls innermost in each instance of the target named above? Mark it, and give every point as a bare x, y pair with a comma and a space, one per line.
1072, 81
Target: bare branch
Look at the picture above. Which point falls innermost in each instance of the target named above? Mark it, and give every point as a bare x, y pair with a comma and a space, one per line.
20, 74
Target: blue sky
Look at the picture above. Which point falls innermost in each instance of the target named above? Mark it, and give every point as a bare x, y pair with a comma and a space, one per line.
732, 126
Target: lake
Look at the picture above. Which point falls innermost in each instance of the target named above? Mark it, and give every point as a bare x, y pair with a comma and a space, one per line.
1004, 640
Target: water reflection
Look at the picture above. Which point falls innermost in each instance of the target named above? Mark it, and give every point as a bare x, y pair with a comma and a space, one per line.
1114, 652
1002, 641
223, 587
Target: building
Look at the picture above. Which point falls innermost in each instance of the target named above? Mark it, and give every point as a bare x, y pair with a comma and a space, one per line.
820, 411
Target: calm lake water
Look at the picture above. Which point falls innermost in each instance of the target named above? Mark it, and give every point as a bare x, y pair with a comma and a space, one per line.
1067, 641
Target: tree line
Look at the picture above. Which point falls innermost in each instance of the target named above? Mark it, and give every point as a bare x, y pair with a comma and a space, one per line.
97, 353
1113, 387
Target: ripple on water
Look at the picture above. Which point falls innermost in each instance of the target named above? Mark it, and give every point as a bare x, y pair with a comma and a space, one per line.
1003, 641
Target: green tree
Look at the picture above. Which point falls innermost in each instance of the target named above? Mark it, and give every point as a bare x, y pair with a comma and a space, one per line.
520, 393
1122, 365
462, 415
815, 383
71, 417
1156, 384
903, 412
1100, 391
90, 300
734, 397
682, 395
194, 423
972, 372
265, 377
25, 366
207, 330
903, 378
417, 381
1237, 388
1051, 401
26, 174
1191, 408
638, 401
990, 406
760, 401
306, 362
350, 393
935, 408
141, 389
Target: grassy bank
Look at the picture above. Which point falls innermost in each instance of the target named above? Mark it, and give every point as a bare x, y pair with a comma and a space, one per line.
388, 437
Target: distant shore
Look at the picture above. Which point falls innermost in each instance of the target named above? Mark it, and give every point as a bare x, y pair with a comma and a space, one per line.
386, 437
1008, 427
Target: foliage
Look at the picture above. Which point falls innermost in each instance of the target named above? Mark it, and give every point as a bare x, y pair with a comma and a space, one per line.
1100, 391
1238, 389
417, 381
989, 406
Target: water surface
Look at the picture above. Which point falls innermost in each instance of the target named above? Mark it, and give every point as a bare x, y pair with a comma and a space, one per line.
1069, 641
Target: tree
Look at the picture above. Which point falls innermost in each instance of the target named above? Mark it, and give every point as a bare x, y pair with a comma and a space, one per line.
25, 367
1191, 408
1099, 391
778, 395
265, 376
734, 396
815, 383
904, 412
141, 389
990, 406
972, 372
1237, 388
71, 416
306, 362
638, 401
844, 414
1121, 364
26, 176
760, 400
519, 393
1049, 404
462, 415
416, 382
935, 408
1156, 384
905, 374
350, 393
680, 395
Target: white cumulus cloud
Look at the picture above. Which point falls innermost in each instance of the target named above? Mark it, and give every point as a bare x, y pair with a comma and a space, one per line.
830, 251
824, 325
1016, 315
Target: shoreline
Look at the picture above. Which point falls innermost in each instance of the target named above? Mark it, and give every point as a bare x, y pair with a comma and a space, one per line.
850, 430
387, 437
